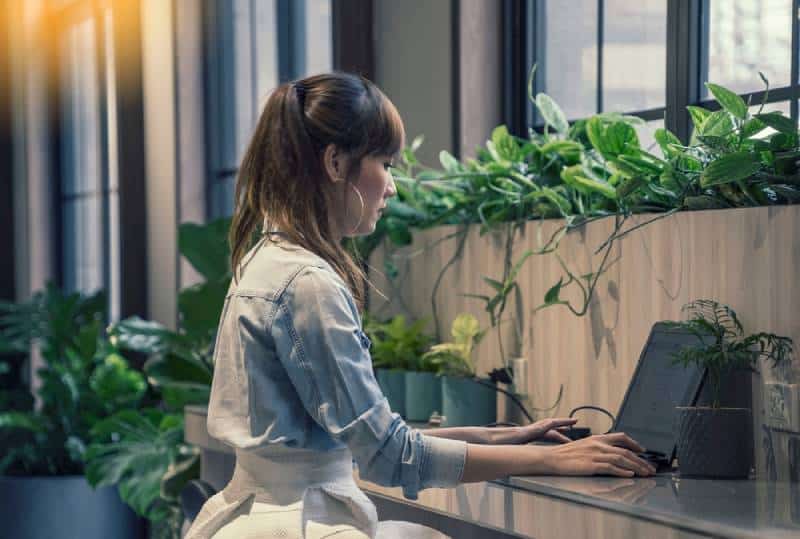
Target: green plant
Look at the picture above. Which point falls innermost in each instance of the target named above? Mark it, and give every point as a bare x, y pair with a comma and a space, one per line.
143, 453
729, 348
84, 380
596, 168
397, 344
455, 358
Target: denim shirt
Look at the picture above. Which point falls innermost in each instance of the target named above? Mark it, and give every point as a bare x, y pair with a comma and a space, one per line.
292, 367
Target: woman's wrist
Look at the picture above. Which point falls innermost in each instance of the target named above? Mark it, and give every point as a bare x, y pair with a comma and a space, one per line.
503, 435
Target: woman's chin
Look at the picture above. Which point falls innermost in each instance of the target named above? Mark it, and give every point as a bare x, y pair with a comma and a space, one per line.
364, 230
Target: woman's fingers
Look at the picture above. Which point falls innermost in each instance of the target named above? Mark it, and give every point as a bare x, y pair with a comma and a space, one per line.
610, 469
625, 459
556, 436
622, 440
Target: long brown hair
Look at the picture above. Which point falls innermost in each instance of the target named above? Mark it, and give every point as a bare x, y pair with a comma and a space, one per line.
282, 182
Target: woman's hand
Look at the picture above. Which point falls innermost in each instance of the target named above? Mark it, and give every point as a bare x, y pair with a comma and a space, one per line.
546, 429
603, 454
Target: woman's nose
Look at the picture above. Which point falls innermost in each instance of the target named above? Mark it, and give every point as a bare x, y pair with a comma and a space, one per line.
392, 188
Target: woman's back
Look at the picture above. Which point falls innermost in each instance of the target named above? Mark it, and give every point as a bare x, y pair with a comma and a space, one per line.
294, 395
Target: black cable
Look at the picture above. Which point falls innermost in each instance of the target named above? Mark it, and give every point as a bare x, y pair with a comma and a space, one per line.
508, 394
528, 415
597, 409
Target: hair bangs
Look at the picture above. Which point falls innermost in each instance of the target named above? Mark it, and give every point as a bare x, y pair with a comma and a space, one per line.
386, 135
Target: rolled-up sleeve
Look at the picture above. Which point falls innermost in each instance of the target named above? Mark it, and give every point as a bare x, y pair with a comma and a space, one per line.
326, 355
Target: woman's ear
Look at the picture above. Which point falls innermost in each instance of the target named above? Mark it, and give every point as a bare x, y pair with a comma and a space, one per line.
335, 163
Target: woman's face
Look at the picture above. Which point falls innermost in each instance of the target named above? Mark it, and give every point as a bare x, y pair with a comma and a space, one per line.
375, 185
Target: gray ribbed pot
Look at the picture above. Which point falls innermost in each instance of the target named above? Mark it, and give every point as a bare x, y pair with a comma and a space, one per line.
715, 442
393, 385
64, 506
466, 403
423, 395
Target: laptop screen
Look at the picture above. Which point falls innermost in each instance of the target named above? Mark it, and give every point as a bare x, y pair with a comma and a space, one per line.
648, 410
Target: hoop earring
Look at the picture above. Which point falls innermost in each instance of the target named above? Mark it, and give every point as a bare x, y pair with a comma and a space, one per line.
361, 215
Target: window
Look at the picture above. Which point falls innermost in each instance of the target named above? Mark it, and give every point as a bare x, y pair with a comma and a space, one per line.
88, 190
251, 46
748, 36
649, 58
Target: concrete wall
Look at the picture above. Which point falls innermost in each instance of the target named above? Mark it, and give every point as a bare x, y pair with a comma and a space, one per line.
413, 66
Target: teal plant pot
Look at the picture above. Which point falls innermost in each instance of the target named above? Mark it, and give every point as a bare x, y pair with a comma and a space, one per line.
393, 385
423, 395
466, 403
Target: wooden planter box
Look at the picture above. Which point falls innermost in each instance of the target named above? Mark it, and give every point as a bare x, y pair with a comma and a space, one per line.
747, 258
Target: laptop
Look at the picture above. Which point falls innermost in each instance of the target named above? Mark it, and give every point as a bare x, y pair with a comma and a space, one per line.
647, 413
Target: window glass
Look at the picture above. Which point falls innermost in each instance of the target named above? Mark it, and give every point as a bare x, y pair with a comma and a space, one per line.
570, 55
319, 43
634, 55
243, 68
646, 133
82, 185
748, 36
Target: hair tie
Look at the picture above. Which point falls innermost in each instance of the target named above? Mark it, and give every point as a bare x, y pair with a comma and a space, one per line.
300, 90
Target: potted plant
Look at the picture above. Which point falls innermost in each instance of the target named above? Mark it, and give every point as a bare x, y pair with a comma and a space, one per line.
142, 451
466, 398
43, 488
396, 348
715, 440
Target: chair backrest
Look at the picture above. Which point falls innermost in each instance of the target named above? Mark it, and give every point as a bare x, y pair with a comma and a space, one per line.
193, 496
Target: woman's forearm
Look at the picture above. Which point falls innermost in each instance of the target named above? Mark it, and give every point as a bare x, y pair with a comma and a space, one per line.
607, 454
488, 462
478, 435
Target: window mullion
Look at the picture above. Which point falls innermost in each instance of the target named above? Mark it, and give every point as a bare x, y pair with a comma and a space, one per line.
601, 8
683, 64
795, 60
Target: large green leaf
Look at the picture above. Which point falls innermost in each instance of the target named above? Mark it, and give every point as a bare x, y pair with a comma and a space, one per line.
718, 124
569, 150
164, 370
503, 146
612, 137
449, 163
23, 420
145, 336
730, 168
729, 100
134, 450
778, 122
666, 141
552, 113
206, 247
200, 307
116, 384
699, 116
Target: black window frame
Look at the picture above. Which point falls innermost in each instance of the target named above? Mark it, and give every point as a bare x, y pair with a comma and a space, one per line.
61, 20
291, 43
686, 65
129, 109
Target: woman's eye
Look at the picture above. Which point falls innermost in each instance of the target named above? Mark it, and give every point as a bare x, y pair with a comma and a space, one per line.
387, 166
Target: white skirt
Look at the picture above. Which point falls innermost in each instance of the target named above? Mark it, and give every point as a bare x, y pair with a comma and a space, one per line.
296, 494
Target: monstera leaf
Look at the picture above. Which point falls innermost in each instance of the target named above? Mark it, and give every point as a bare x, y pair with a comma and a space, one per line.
134, 450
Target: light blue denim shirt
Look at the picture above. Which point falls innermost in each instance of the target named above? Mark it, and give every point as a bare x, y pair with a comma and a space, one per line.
292, 367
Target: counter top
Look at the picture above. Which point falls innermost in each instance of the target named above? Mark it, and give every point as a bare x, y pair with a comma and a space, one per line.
726, 508
737, 509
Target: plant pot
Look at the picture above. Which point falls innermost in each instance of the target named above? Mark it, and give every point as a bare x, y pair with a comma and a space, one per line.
64, 506
393, 385
423, 395
715, 442
467, 403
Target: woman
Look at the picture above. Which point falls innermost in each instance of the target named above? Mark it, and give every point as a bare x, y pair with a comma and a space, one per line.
293, 389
